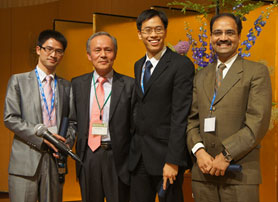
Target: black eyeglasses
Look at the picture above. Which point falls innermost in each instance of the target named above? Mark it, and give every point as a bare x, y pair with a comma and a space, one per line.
49, 50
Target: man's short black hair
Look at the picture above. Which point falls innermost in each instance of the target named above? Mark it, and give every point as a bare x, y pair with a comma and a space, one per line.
150, 13
47, 34
235, 18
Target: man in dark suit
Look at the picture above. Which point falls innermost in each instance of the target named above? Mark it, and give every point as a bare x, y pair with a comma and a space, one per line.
229, 117
158, 149
105, 170
33, 174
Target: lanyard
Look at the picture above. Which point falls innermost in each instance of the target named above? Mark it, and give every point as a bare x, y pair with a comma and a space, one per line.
43, 95
100, 108
212, 102
142, 80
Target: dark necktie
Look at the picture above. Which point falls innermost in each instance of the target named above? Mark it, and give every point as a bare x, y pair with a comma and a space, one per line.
147, 73
219, 75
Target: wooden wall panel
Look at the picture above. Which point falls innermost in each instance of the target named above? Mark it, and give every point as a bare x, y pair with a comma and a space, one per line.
75, 10
19, 30
5, 58
74, 63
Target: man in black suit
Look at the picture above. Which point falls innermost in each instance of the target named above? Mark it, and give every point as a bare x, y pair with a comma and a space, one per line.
163, 91
105, 169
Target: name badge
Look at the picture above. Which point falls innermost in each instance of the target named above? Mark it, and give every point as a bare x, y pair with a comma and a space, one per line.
209, 125
99, 129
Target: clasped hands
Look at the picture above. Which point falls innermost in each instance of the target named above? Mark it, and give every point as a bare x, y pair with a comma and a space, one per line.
209, 165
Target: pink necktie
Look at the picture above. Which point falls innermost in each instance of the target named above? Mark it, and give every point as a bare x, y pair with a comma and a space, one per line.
48, 96
94, 141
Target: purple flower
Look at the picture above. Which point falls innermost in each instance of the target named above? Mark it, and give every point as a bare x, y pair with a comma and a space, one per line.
182, 47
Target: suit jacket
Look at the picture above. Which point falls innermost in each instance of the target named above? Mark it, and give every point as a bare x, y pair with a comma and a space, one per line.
23, 112
242, 109
161, 113
120, 118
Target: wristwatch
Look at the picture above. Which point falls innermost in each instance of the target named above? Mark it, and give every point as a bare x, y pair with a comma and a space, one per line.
227, 156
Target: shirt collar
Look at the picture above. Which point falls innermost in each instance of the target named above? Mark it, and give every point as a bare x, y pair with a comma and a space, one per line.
109, 76
42, 74
154, 60
228, 63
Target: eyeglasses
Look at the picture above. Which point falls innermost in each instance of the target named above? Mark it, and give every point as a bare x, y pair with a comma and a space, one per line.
149, 30
227, 33
49, 50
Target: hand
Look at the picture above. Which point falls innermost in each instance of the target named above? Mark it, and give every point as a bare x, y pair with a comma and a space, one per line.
170, 172
52, 146
204, 160
219, 165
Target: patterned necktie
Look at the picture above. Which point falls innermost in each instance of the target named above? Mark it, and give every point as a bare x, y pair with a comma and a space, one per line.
48, 92
219, 75
147, 73
94, 141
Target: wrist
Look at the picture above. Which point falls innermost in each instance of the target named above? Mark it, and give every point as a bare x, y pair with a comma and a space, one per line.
227, 156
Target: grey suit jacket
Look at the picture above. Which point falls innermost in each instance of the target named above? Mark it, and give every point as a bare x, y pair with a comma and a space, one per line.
242, 109
23, 112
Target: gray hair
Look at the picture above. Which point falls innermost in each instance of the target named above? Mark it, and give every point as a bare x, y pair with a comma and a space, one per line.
114, 40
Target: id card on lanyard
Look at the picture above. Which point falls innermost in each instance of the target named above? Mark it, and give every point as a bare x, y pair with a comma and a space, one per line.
209, 123
100, 128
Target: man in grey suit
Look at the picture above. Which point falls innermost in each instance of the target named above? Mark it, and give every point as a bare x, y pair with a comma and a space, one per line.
38, 97
229, 117
104, 124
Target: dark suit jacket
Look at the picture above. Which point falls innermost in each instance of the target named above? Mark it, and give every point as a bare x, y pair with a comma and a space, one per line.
161, 113
242, 109
23, 111
119, 118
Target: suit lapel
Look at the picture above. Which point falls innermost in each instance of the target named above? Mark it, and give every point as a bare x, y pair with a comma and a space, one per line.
160, 67
60, 99
117, 87
138, 74
209, 81
86, 91
35, 95
232, 77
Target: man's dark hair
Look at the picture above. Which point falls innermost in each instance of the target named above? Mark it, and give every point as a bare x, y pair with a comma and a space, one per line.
235, 18
150, 13
47, 34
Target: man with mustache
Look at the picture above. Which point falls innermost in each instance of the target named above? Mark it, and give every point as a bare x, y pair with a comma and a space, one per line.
229, 117
103, 104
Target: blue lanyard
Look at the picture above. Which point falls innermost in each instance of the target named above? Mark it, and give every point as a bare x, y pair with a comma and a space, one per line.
142, 84
43, 95
213, 99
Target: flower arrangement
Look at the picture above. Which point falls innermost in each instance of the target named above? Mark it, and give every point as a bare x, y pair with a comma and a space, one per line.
182, 47
202, 55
